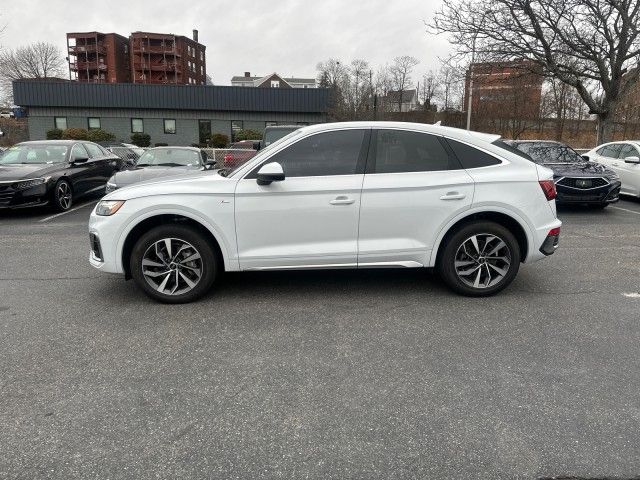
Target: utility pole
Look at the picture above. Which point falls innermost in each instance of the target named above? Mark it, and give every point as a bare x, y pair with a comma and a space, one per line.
470, 96
374, 96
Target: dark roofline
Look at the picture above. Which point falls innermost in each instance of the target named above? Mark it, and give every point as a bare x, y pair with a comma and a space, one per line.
28, 93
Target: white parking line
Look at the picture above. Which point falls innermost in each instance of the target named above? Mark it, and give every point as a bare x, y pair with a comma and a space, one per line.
626, 210
68, 211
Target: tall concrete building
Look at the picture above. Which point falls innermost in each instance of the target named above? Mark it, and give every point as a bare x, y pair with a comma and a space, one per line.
98, 57
166, 58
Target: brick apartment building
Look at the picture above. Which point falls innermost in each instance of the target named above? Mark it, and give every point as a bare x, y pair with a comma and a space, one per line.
98, 57
166, 58
144, 57
506, 88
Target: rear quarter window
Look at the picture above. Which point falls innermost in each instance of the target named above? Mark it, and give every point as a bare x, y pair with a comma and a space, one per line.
471, 157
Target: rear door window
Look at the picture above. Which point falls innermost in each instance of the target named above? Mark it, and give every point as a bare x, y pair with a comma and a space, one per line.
94, 150
401, 151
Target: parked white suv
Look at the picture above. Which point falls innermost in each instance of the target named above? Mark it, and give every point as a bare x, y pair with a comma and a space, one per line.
356, 195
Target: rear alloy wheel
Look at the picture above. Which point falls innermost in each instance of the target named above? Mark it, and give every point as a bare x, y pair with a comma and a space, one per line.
173, 264
62, 196
480, 259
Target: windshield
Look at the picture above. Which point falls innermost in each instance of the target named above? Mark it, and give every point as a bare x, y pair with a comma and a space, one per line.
34, 154
169, 157
549, 153
261, 152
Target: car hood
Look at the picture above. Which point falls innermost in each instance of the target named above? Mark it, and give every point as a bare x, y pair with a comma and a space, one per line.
201, 182
20, 172
582, 169
141, 174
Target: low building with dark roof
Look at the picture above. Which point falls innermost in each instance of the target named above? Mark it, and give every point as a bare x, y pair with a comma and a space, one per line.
172, 114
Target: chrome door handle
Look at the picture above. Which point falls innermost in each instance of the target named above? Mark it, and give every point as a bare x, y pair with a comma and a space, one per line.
453, 196
342, 200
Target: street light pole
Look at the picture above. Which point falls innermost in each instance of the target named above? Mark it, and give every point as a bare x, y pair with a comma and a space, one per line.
470, 97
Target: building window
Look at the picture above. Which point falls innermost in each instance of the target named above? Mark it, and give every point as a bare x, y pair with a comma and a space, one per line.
137, 125
201, 56
235, 126
169, 125
60, 123
275, 83
94, 123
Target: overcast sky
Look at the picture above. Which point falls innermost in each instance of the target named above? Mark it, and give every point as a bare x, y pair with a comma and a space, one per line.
286, 36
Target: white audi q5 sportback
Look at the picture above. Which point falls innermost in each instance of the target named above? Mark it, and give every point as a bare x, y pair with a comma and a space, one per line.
337, 195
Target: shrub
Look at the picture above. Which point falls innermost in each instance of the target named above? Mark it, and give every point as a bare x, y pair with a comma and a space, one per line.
75, 134
247, 135
141, 139
219, 140
54, 134
99, 135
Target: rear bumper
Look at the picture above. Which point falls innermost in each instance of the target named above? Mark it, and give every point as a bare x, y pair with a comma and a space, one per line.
551, 243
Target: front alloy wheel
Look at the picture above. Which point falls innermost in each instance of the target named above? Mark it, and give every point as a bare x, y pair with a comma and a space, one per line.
172, 266
480, 259
63, 196
173, 263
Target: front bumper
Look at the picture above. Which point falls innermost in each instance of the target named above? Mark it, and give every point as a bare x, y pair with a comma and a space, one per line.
596, 196
28, 197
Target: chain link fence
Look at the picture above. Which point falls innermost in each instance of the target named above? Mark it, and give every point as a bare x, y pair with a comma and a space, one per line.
229, 158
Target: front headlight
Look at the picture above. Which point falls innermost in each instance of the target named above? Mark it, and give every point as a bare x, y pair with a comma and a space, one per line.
30, 183
106, 208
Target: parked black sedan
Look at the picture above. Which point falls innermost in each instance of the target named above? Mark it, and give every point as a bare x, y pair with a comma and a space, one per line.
577, 180
162, 162
53, 172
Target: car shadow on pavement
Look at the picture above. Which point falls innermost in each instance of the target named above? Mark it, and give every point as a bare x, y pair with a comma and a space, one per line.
388, 282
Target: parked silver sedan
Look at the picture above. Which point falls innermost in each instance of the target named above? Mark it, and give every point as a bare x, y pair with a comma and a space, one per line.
162, 162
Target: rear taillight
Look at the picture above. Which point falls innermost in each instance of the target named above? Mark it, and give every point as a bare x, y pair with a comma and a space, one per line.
549, 188
554, 232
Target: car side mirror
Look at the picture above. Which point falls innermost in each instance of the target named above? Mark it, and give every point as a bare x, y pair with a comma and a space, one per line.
80, 160
632, 160
209, 164
270, 172
585, 157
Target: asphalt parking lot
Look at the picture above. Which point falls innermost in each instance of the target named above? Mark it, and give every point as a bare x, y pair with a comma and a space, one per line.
369, 374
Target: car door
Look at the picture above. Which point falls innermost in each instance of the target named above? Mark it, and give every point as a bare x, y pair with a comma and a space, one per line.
629, 172
81, 170
413, 185
608, 155
106, 164
310, 219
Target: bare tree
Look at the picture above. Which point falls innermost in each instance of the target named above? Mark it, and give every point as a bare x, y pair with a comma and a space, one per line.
428, 89
357, 88
400, 72
591, 45
451, 80
39, 60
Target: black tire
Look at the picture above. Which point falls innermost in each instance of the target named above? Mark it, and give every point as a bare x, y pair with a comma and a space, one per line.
62, 196
454, 247
208, 264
